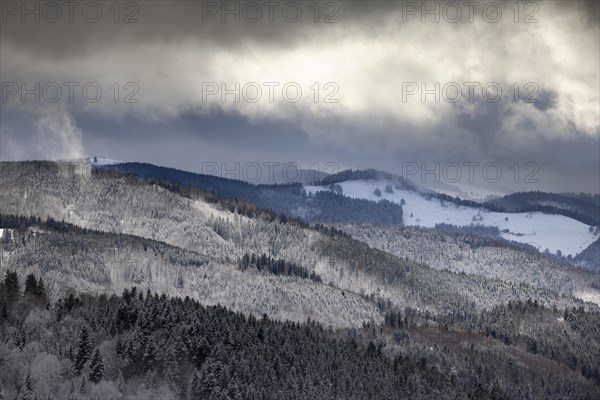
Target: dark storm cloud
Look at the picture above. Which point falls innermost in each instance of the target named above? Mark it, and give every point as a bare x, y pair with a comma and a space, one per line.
371, 51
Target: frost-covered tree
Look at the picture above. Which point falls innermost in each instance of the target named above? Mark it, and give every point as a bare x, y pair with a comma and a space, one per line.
83, 350
96, 367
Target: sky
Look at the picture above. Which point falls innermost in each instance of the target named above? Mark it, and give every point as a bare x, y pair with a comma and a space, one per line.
500, 95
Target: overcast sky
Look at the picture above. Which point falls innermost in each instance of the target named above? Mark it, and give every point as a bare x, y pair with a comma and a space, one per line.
311, 83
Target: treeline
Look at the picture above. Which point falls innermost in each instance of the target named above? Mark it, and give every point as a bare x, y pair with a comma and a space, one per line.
455, 200
276, 267
146, 346
592, 198
367, 175
231, 195
9, 221
34, 291
326, 206
287, 201
477, 236
583, 208
491, 232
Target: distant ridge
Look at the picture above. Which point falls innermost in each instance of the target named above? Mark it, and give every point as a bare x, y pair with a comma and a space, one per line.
368, 175
580, 208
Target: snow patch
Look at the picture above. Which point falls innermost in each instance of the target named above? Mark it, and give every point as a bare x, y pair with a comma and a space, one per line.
544, 231
589, 296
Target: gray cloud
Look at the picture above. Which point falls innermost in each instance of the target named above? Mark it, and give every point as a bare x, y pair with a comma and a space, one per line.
369, 54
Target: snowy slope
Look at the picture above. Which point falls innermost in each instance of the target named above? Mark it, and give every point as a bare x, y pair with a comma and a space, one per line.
544, 231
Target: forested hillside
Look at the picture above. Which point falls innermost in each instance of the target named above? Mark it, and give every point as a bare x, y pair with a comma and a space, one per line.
287, 199
150, 347
476, 255
584, 208
590, 257
72, 260
394, 312
111, 202
145, 346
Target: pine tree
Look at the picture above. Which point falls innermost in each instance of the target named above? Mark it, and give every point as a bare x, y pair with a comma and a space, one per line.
245, 261
31, 284
11, 286
96, 367
83, 350
41, 289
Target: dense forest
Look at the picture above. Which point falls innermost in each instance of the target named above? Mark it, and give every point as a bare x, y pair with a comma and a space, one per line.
347, 311
146, 346
142, 345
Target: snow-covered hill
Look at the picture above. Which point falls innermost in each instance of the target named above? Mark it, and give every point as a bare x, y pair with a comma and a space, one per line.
97, 262
468, 254
111, 202
543, 231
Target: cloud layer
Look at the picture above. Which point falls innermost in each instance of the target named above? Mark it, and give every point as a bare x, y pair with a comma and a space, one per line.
356, 77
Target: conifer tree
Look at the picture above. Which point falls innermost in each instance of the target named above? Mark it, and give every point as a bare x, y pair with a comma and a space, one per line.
31, 284
96, 367
11, 286
83, 350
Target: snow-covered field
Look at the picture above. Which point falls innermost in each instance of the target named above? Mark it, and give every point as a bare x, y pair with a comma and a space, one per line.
544, 231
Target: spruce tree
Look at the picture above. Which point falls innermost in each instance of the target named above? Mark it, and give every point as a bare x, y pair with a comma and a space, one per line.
11, 287
31, 284
83, 350
96, 367
41, 290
